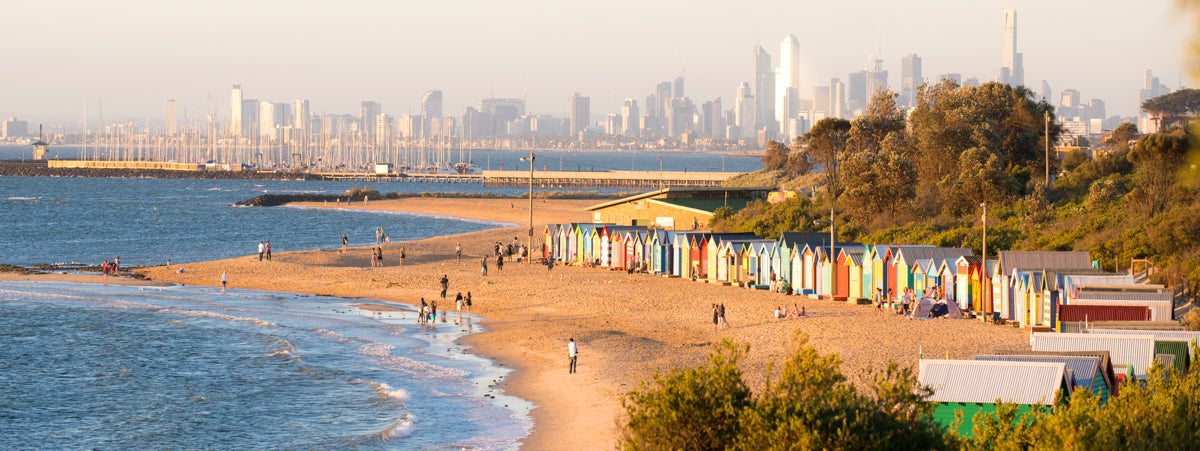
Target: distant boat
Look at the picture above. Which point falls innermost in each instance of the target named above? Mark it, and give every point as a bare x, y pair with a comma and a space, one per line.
466, 168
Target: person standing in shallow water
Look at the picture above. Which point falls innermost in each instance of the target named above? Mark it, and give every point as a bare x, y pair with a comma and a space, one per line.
224, 281
345, 243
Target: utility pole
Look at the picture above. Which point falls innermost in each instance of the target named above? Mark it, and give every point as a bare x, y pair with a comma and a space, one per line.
529, 248
1047, 150
986, 308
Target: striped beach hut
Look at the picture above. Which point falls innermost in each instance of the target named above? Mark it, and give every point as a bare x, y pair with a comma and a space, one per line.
1136, 350
1085, 370
958, 390
850, 259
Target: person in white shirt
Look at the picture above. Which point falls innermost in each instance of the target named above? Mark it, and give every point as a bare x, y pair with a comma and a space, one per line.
573, 353
261, 250
224, 281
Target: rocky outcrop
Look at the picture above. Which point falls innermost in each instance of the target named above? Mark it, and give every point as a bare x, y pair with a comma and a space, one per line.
274, 200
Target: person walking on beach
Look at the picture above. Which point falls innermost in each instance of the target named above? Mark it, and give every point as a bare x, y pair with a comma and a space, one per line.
433, 312
484, 263
445, 283
467, 300
224, 281
721, 311
458, 305
261, 251
268, 250
499, 264
345, 243
573, 354
401, 255
424, 310
379, 253
458, 252
878, 301
116, 265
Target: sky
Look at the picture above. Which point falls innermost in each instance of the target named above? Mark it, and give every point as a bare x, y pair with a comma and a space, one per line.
132, 55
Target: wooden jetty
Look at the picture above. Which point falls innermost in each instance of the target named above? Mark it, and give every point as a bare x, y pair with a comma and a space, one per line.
552, 179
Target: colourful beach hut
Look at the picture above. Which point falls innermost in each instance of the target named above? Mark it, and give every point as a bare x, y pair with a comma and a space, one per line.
851, 267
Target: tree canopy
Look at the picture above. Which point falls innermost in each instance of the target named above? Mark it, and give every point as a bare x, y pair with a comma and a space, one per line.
1176, 108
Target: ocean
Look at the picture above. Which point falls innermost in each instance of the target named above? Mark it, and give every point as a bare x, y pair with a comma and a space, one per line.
178, 367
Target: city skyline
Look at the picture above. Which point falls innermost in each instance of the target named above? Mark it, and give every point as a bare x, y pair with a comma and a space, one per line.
542, 57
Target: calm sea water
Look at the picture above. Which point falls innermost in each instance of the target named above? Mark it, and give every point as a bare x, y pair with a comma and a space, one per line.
119, 367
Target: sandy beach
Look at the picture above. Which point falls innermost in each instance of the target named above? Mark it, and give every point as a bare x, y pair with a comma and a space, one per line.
628, 326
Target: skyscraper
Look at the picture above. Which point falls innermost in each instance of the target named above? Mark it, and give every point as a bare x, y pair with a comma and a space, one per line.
679, 87
236, 124
910, 79
431, 109
367, 112
1012, 69
1151, 88
821, 107
581, 111
172, 126
787, 77
266, 120
629, 117
837, 98
744, 109
764, 95
876, 79
300, 117
1046, 91
858, 91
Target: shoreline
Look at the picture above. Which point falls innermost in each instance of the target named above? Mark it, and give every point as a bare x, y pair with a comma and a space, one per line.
629, 326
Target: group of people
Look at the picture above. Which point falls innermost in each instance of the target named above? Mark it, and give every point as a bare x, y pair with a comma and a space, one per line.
718, 311
264, 251
381, 236
906, 304
427, 313
377, 256
795, 312
461, 301
110, 268
510, 250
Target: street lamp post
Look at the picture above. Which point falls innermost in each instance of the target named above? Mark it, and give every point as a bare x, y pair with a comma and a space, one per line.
529, 247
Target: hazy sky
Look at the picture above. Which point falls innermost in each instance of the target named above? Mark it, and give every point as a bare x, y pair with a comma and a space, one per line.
135, 54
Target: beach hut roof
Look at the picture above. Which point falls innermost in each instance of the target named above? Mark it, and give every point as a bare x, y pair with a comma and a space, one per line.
910, 254
1092, 295
1106, 366
984, 382
1137, 350
799, 239
1045, 260
1083, 368
1158, 334
854, 259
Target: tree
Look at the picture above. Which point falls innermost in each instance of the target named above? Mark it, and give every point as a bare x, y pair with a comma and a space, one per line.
1157, 159
776, 155
1176, 108
878, 180
694, 408
825, 143
982, 178
1122, 134
882, 118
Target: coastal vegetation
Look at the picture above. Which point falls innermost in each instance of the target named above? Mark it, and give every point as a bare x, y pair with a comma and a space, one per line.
923, 178
807, 404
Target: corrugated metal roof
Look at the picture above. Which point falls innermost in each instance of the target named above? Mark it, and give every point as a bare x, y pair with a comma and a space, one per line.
1106, 367
1137, 350
1166, 360
1092, 313
910, 254
1045, 260
1083, 368
1124, 296
855, 258
791, 239
984, 382
1158, 334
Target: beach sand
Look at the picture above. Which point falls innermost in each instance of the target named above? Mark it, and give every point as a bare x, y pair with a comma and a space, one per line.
628, 326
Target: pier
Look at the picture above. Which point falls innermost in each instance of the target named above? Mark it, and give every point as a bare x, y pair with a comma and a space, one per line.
552, 179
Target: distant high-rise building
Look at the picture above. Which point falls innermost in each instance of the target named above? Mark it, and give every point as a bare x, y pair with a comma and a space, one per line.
1151, 88
409, 126
250, 121
837, 98
1070, 98
14, 128
431, 109
1046, 97
789, 108
679, 87
613, 124
744, 109
1012, 69
502, 110
172, 125
971, 81
300, 117
385, 126
876, 78
821, 101
910, 79
712, 120
367, 112
266, 120
581, 111
857, 99
1095, 109
764, 95
787, 77
629, 117
956, 78
237, 124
